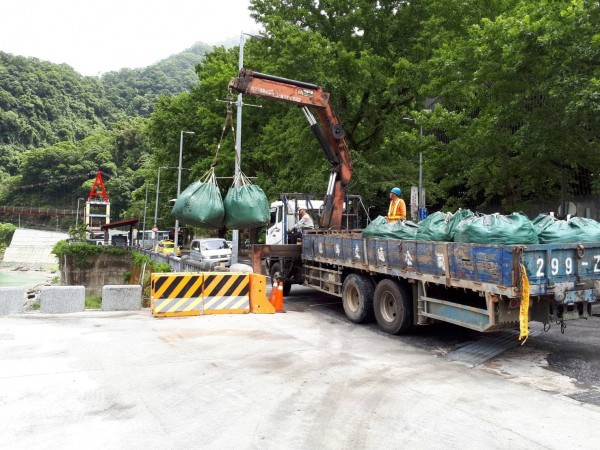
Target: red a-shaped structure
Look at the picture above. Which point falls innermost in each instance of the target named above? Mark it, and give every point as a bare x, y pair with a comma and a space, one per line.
98, 183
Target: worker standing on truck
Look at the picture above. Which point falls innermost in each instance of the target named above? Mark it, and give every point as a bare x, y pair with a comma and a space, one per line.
397, 209
305, 221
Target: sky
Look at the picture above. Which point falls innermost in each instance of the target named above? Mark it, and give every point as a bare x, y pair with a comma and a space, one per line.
97, 36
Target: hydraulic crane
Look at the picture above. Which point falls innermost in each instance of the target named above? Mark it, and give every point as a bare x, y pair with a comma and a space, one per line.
330, 133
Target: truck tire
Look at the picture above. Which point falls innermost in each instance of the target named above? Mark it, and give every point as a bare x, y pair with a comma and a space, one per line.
357, 298
393, 306
276, 269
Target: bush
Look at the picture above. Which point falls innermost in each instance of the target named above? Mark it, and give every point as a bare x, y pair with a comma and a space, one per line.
93, 302
80, 251
6, 233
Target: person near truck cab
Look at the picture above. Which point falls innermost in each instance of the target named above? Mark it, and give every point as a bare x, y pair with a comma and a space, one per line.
305, 221
397, 209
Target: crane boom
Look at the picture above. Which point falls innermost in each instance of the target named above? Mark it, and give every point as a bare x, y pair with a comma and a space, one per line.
330, 133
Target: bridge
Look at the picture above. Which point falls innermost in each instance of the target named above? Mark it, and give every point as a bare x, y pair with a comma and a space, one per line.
37, 211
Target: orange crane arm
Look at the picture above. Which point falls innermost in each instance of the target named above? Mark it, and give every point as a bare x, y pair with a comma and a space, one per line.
330, 133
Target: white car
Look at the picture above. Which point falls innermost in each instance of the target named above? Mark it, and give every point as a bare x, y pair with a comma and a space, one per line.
214, 250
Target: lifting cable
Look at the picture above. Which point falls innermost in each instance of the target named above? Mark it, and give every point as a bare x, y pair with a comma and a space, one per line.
228, 121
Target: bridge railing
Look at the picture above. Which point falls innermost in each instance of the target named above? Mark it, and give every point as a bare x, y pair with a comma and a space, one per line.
37, 211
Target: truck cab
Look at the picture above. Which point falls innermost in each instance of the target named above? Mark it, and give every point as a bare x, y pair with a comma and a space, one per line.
281, 231
284, 216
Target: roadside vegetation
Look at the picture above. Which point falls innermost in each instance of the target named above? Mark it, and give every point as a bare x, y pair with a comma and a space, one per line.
143, 268
6, 233
82, 251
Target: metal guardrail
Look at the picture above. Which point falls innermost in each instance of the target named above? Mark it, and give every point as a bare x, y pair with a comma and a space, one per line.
178, 264
37, 211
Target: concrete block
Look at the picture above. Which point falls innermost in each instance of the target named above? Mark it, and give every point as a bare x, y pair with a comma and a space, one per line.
242, 268
62, 299
126, 297
11, 300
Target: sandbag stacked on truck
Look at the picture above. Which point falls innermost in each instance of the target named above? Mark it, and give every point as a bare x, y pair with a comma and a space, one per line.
201, 204
246, 205
440, 226
575, 229
515, 228
381, 228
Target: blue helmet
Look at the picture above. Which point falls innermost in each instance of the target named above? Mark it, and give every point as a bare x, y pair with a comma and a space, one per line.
396, 191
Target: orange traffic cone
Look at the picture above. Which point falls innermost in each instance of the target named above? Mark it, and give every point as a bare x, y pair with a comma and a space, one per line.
273, 294
279, 299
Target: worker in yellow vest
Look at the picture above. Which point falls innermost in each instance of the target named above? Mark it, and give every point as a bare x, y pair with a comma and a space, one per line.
397, 209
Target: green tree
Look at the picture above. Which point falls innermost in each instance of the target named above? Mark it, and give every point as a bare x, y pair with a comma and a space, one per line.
519, 104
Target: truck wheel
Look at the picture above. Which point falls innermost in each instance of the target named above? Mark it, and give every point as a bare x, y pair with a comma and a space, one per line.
393, 307
276, 269
357, 298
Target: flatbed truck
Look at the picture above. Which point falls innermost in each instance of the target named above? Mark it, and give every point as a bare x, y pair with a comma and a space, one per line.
406, 283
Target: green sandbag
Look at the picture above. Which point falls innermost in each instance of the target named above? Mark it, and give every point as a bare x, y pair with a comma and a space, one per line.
576, 229
440, 226
246, 206
382, 229
204, 208
183, 198
456, 219
200, 204
515, 228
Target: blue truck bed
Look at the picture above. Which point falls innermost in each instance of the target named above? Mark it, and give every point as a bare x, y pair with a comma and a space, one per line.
561, 273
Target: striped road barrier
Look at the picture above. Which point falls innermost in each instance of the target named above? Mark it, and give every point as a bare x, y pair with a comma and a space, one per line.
176, 294
192, 294
226, 293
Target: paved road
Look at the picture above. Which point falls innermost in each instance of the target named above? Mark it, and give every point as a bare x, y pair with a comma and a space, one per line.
565, 362
301, 380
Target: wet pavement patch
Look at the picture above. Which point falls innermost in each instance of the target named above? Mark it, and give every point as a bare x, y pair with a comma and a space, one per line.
592, 397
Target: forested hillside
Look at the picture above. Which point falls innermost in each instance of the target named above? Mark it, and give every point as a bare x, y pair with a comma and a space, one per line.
57, 127
134, 91
500, 98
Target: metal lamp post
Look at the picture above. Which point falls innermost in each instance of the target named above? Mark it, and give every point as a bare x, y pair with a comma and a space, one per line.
158, 191
176, 239
235, 234
144, 227
420, 202
77, 216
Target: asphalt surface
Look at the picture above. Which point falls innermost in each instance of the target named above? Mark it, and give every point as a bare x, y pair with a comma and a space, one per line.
307, 379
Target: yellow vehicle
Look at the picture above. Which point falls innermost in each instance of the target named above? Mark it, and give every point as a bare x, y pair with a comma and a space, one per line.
166, 247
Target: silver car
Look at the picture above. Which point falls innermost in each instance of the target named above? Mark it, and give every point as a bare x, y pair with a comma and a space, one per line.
213, 250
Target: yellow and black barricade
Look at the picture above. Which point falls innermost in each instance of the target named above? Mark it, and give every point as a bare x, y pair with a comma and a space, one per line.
192, 294
226, 293
176, 294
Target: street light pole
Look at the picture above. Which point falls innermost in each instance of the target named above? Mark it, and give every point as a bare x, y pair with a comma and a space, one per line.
176, 238
144, 227
77, 216
235, 234
420, 202
156, 202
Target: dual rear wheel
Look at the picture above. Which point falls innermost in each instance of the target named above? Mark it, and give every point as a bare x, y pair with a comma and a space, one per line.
389, 302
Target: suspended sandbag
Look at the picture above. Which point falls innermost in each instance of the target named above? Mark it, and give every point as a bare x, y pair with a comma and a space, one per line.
183, 198
382, 229
575, 229
515, 228
246, 205
440, 226
201, 204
